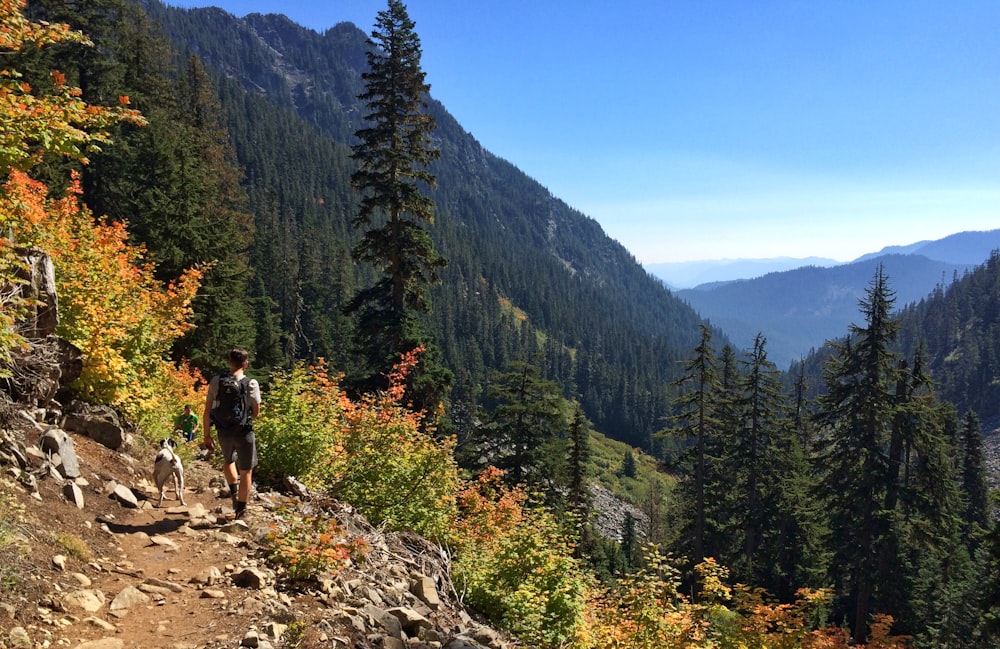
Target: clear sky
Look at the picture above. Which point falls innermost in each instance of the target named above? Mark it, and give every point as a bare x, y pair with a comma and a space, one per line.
707, 129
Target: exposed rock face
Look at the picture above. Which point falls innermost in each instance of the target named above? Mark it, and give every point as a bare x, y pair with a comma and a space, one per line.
611, 512
100, 423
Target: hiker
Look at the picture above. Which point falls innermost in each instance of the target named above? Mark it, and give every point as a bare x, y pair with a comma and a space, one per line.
186, 423
232, 403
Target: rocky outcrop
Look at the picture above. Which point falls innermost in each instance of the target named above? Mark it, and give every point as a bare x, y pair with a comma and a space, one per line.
100, 423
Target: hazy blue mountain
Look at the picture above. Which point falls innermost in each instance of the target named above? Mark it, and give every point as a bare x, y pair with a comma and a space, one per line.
687, 274
967, 248
798, 310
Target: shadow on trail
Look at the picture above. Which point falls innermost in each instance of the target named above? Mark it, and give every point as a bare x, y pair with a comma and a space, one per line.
162, 526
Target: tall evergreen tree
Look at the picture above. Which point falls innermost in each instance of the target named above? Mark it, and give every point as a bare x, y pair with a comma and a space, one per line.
760, 404
392, 153
697, 420
857, 415
974, 487
579, 457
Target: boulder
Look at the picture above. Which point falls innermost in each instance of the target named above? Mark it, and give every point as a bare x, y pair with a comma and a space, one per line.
100, 423
73, 494
55, 441
425, 589
386, 620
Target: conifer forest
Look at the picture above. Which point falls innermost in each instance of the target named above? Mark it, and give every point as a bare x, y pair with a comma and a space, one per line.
253, 183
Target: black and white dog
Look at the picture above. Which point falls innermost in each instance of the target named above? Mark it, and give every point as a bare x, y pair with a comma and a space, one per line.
168, 464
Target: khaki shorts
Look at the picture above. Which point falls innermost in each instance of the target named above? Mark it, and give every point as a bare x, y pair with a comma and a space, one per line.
240, 448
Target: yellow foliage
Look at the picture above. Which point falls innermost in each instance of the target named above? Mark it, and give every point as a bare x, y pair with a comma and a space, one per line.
110, 304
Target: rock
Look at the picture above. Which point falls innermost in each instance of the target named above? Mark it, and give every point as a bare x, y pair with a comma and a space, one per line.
213, 593
81, 579
100, 624
207, 577
150, 589
89, 600
57, 442
386, 620
425, 589
297, 488
235, 526
486, 636
59, 561
274, 630
103, 643
162, 541
428, 635
251, 639
99, 423
125, 496
167, 585
410, 620
252, 578
128, 598
34, 456
73, 494
19, 638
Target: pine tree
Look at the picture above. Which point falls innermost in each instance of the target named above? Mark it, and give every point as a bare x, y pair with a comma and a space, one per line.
528, 416
974, 487
697, 420
579, 457
392, 155
857, 415
629, 468
754, 462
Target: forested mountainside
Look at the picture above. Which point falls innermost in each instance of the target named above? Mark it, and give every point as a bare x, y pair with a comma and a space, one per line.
957, 332
529, 278
867, 507
799, 310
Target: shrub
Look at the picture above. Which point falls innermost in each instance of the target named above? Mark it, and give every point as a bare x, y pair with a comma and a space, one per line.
308, 546
74, 546
298, 424
374, 453
515, 564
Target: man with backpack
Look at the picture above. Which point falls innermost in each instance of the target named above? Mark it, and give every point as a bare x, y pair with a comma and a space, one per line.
232, 403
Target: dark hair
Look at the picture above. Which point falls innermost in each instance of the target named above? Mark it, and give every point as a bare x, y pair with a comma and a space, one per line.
238, 357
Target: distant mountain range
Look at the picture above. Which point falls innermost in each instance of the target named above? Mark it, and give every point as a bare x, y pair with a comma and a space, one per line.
965, 248
688, 274
800, 309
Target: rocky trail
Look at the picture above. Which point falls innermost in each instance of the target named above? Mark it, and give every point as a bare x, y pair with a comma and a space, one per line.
90, 562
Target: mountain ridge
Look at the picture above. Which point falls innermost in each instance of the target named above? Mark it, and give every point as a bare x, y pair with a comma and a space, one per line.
601, 326
799, 310
966, 248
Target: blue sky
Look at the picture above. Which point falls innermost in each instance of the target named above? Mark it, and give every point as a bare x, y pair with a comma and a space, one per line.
711, 130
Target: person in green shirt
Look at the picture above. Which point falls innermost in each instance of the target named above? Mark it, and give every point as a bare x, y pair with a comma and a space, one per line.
187, 423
